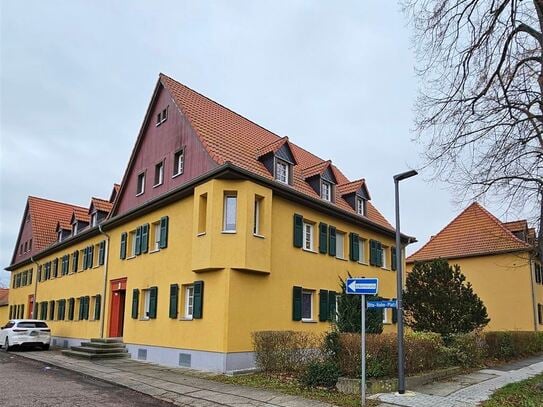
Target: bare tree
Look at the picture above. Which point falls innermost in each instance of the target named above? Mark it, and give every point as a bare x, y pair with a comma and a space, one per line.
480, 109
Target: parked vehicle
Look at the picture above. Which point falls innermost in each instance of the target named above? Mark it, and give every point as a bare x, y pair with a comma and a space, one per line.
25, 332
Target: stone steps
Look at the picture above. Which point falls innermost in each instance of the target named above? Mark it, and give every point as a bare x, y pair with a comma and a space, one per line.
98, 348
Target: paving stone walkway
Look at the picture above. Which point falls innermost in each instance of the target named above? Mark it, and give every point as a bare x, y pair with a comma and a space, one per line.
466, 390
171, 384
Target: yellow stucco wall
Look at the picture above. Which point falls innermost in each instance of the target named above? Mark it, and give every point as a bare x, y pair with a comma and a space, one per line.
248, 279
504, 284
4, 314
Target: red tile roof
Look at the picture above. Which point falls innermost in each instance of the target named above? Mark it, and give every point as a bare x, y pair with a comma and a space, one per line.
472, 233
4, 297
516, 225
100, 205
44, 215
81, 214
230, 137
272, 147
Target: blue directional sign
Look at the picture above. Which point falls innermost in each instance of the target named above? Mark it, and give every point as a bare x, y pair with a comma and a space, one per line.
362, 286
382, 304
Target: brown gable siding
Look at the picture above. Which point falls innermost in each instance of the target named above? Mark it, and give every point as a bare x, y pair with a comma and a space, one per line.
159, 143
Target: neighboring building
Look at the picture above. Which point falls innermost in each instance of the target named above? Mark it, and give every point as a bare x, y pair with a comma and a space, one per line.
498, 259
4, 305
220, 228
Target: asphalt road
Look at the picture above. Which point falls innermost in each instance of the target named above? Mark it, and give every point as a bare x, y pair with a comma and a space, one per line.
25, 382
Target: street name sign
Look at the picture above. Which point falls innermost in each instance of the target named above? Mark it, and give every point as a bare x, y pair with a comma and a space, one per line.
382, 304
362, 286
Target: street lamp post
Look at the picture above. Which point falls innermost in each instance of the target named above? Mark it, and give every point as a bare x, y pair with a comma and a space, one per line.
399, 279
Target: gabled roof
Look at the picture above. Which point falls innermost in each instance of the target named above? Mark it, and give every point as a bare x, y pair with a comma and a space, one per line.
353, 187
316, 169
516, 225
474, 232
4, 297
230, 137
100, 205
64, 225
80, 214
272, 147
114, 192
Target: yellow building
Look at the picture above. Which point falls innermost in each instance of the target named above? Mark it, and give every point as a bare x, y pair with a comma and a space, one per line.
498, 259
219, 228
4, 305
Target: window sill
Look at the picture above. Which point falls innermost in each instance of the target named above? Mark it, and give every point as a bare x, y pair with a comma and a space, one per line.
140, 193
177, 175
385, 268
259, 236
309, 321
341, 258
228, 232
186, 319
131, 257
364, 263
309, 251
154, 251
145, 319
200, 234
157, 185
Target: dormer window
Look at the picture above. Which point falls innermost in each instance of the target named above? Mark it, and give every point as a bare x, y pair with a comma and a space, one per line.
282, 171
326, 191
94, 219
60, 235
162, 116
361, 206
74, 228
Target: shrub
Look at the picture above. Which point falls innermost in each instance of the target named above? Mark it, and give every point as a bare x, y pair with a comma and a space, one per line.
467, 350
320, 374
512, 344
286, 351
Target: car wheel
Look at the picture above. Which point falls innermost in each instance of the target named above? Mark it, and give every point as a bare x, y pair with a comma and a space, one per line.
6, 345
45, 346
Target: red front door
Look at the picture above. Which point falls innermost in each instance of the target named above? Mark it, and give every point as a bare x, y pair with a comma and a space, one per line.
116, 316
30, 306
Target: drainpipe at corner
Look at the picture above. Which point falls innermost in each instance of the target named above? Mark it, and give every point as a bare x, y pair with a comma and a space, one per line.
104, 291
35, 303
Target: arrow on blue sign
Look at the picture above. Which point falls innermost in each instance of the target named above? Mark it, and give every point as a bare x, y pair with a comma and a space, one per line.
382, 304
362, 286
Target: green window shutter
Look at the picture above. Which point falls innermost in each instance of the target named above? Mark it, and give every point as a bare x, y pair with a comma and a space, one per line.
198, 305
323, 238
163, 232
97, 306
393, 263
372, 252
332, 242
145, 238
153, 298
61, 309
85, 258
174, 300
331, 305
124, 235
102, 253
81, 308
71, 308
52, 310
30, 272
75, 260
44, 310
297, 303
354, 248
394, 313
323, 305
22, 310
379, 254
135, 302
298, 230
138, 241
90, 256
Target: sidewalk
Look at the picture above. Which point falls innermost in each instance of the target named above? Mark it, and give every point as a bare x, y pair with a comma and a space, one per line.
171, 384
466, 390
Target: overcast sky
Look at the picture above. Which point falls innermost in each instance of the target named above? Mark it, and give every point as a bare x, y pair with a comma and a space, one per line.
336, 77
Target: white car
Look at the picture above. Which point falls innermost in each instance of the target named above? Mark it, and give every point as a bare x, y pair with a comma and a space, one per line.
27, 332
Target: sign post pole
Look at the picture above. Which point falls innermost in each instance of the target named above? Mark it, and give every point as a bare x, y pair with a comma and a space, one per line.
363, 354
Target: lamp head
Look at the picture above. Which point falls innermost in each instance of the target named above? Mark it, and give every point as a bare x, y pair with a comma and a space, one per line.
404, 175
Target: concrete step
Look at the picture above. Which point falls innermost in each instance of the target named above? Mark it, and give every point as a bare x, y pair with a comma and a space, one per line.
90, 356
101, 351
103, 345
107, 340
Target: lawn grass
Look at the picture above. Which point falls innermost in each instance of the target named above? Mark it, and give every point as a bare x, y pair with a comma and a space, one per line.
288, 385
527, 393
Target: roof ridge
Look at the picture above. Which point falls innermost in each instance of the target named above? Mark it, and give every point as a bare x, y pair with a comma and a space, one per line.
500, 224
57, 202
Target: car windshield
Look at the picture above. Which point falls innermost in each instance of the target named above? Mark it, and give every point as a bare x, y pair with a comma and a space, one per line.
32, 324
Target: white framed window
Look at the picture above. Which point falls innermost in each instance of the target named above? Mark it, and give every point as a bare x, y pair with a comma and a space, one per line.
384, 257
140, 187
362, 251
189, 301
326, 191
230, 212
74, 228
156, 236
361, 206
340, 245
162, 116
132, 241
178, 162
146, 304
256, 215
60, 235
281, 171
307, 305
94, 219
308, 236
159, 173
